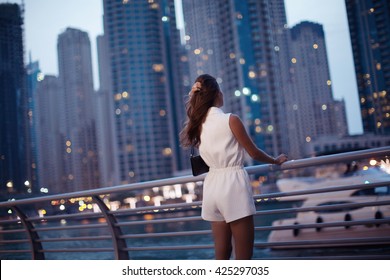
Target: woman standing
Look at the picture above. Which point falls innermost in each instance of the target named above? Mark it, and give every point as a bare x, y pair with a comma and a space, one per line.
222, 141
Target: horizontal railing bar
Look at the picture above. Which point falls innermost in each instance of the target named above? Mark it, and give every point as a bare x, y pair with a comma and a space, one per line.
322, 208
165, 234
14, 251
325, 224
321, 160
342, 241
331, 257
89, 215
262, 212
78, 238
76, 250
10, 221
14, 241
70, 227
353, 241
323, 190
8, 231
164, 248
152, 208
263, 196
293, 164
169, 220
264, 228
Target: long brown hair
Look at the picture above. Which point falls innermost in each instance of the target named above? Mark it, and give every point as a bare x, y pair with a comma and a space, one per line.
197, 107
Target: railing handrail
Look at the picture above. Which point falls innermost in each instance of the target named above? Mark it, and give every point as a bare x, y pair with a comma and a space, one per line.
292, 164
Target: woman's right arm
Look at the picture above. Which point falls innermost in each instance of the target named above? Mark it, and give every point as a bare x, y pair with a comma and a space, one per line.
239, 131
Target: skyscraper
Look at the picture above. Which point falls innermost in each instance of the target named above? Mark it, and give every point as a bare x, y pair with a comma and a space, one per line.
142, 39
77, 111
369, 26
105, 118
310, 108
34, 75
243, 44
49, 140
15, 153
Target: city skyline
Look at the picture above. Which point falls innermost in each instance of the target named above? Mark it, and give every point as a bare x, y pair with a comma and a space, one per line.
41, 37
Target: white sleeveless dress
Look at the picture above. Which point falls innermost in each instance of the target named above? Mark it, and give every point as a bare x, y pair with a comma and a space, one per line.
227, 193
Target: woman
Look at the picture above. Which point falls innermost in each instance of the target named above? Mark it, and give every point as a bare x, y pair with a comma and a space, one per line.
227, 195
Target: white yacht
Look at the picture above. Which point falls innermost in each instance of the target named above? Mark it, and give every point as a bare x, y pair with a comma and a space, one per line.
380, 193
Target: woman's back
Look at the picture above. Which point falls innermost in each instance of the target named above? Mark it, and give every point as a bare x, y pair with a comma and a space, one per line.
218, 147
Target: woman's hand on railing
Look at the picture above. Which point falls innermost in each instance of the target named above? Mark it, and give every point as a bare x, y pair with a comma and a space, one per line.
281, 158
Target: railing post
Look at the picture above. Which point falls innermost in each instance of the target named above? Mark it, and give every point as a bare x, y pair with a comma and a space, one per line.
118, 243
36, 247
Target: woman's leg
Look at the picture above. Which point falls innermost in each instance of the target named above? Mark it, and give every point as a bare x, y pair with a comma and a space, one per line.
243, 234
222, 240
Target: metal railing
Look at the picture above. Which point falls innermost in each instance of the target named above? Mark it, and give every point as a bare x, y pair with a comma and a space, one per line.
159, 230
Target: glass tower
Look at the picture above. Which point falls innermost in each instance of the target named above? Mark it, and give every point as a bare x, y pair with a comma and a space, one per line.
146, 87
369, 26
15, 153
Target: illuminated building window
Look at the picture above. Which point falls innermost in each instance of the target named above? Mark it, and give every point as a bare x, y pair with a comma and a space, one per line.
232, 55
255, 98
328, 82
40, 77
197, 51
167, 151
237, 93
294, 60
162, 113
308, 139
324, 107
118, 97
315, 46
252, 74
158, 67
246, 91
378, 66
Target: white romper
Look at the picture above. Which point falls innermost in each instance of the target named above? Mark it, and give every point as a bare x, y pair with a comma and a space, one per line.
227, 193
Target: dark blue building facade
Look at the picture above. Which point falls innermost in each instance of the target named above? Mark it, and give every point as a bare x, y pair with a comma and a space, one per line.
14, 130
369, 24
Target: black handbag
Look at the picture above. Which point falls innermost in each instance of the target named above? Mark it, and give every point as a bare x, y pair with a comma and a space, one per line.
197, 164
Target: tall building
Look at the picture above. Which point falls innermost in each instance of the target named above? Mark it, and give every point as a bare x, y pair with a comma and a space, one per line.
244, 45
15, 153
105, 118
310, 108
77, 111
49, 140
143, 44
34, 75
369, 26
